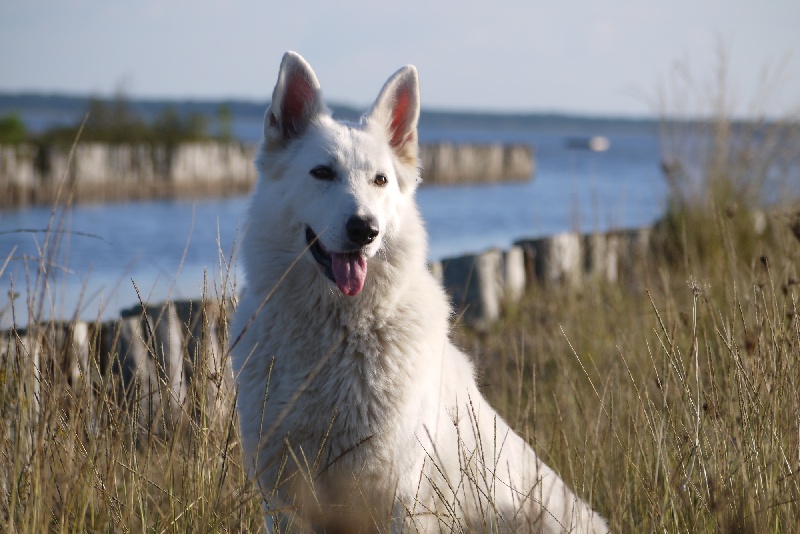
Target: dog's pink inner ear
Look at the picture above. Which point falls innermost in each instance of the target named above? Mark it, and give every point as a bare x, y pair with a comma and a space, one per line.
401, 119
298, 102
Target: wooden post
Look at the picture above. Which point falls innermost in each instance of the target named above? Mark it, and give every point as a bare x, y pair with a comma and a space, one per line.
554, 260
474, 282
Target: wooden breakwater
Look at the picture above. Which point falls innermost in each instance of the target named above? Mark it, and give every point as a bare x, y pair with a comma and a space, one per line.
165, 360
481, 284
94, 172
458, 164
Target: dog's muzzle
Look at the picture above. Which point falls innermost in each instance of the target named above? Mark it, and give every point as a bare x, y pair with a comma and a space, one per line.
348, 270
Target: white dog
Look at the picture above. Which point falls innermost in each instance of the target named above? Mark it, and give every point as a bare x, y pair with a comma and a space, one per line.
355, 407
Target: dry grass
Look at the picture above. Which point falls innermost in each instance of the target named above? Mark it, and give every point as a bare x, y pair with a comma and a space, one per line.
75, 455
672, 404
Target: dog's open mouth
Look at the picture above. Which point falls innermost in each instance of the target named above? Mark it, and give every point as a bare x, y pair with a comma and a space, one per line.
348, 270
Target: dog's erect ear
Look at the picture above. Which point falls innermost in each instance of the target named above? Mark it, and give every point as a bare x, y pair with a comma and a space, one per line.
296, 100
397, 110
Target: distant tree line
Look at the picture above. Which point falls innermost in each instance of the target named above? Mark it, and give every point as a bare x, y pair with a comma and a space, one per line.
116, 122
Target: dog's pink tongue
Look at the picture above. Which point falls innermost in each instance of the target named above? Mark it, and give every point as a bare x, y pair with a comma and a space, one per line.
350, 271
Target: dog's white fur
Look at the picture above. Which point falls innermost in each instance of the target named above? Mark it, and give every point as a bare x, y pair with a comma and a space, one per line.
362, 403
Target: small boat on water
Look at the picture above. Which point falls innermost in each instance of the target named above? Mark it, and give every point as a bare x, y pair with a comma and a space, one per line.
595, 143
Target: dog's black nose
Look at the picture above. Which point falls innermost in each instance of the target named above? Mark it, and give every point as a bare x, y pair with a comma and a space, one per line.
362, 230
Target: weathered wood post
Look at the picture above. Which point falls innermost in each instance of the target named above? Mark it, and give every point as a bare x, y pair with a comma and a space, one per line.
150, 359
21, 363
554, 260
68, 343
514, 273
208, 372
21, 375
601, 256
633, 247
475, 285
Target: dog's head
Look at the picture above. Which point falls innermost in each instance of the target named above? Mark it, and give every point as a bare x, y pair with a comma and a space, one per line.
338, 189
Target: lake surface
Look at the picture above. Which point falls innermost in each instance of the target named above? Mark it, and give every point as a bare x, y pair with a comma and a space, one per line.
166, 248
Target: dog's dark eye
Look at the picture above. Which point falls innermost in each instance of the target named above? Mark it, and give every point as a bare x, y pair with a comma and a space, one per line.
380, 180
323, 172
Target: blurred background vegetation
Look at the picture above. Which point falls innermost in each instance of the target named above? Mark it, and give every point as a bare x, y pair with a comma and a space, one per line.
115, 121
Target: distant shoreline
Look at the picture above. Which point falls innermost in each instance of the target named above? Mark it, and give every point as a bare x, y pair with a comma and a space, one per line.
71, 108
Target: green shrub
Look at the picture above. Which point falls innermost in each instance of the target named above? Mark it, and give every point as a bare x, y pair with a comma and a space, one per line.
115, 122
12, 130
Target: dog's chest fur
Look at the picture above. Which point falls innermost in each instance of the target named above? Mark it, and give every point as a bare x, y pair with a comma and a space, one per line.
341, 395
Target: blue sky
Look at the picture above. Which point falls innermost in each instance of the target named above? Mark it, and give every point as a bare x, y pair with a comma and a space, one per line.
596, 57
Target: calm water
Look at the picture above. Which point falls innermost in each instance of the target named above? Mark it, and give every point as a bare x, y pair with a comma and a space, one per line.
165, 247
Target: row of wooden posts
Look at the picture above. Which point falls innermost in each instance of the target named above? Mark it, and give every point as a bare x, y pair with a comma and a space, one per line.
479, 284
33, 174
163, 360
154, 354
